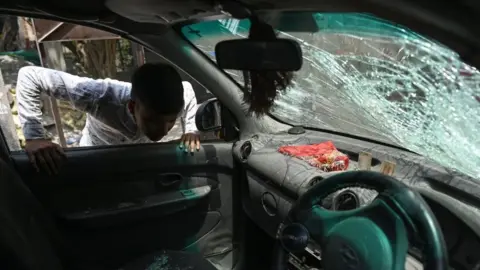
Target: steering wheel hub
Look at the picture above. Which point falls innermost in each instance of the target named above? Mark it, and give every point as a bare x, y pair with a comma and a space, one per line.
294, 237
357, 243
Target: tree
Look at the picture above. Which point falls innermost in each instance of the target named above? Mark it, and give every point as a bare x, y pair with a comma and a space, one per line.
97, 57
9, 35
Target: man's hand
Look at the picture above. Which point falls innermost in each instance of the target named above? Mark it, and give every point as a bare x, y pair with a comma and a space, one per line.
190, 142
45, 154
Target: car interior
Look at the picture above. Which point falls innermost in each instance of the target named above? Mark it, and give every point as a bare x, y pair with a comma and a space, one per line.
238, 203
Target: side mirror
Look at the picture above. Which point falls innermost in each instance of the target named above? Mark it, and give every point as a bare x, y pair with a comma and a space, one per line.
209, 116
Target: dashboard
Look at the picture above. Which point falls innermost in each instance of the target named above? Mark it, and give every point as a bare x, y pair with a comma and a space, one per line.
275, 181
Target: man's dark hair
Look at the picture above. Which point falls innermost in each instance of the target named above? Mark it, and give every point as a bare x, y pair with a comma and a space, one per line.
159, 87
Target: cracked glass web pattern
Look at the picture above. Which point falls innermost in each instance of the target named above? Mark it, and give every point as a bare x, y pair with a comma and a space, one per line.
371, 78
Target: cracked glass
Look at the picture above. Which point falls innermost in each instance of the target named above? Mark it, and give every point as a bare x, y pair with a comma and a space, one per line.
371, 78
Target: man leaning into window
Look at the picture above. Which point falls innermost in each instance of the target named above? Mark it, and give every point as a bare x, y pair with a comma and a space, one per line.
144, 110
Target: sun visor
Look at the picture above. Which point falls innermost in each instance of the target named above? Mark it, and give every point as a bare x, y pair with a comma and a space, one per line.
161, 11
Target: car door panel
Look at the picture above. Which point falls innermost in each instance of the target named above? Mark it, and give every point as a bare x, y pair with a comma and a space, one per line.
160, 205
130, 200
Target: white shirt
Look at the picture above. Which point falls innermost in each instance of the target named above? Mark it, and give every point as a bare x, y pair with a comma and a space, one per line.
109, 122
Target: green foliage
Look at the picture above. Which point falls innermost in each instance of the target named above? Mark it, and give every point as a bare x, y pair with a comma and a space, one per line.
124, 55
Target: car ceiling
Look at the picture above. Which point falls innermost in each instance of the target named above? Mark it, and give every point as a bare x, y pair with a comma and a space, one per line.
447, 21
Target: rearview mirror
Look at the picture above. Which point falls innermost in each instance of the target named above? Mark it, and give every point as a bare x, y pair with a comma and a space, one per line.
245, 54
209, 116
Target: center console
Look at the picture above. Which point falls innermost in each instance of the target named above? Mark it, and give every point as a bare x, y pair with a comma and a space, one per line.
309, 259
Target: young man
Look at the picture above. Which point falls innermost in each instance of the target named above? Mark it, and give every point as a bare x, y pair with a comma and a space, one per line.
117, 112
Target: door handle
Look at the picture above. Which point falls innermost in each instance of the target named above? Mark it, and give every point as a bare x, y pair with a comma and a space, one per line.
168, 180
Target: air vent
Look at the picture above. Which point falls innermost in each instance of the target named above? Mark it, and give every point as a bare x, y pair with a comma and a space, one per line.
245, 151
345, 200
315, 181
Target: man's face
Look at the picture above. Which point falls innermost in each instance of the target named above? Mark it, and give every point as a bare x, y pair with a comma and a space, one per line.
155, 126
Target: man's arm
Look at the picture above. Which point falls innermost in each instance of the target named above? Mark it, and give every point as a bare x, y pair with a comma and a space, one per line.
190, 109
82, 93
190, 139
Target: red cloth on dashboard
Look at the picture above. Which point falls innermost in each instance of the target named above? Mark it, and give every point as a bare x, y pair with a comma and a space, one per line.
322, 155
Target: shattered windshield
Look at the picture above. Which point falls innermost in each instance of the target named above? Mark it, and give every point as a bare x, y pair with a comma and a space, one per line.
370, 78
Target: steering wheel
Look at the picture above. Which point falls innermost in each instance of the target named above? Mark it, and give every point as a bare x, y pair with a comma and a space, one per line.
373, 237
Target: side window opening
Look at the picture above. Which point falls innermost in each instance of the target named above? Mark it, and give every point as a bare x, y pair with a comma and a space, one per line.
75, 55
